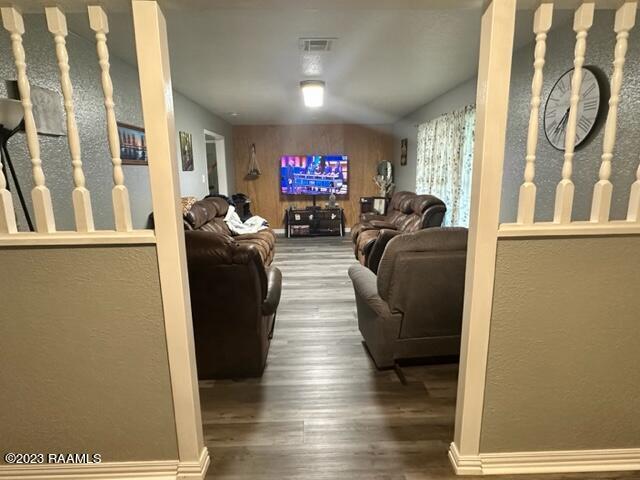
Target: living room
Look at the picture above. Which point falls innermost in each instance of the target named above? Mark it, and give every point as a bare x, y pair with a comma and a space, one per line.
296, 223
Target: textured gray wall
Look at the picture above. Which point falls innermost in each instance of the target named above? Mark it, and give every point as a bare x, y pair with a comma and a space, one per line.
85, 74
559, 57
83, 353
563, 349
561, 41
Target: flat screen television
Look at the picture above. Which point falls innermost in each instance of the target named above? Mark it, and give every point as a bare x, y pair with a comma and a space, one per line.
314, 174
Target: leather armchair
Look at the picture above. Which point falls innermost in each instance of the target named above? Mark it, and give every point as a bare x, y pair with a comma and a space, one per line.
234, 299
412, 307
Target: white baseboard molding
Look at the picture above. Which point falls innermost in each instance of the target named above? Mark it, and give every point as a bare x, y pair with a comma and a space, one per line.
143, 470
512, 463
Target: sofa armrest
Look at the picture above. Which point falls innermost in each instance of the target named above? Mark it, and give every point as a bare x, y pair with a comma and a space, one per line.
274, 290
366, 289
367, 217
382, 224
373, 260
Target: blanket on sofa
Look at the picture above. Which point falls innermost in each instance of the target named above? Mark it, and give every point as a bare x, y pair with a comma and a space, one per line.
251, 225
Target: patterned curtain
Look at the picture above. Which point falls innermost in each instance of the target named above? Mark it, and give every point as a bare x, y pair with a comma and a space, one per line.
445, 158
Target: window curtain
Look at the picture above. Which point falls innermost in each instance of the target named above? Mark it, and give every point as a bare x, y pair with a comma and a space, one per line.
445, 158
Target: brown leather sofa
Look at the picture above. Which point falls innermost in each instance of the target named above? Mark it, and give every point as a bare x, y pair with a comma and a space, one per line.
234, 293
412, 308
208, 215
407, 213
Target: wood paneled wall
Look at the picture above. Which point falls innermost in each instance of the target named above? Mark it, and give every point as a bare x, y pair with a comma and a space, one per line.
365, 146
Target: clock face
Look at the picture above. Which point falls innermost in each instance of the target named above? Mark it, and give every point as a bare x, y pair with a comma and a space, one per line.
556, 111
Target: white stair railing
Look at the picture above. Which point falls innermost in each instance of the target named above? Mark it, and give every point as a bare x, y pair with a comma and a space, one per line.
603, 189
527, 199
57, 23
121, 206
633, 212
7, 213
40, 195
85, 231
582, 21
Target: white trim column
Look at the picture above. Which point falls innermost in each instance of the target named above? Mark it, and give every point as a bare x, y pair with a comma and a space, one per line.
157, 107
492, 103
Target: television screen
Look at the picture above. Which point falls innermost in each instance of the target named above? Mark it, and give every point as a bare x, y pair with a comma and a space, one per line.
314, 174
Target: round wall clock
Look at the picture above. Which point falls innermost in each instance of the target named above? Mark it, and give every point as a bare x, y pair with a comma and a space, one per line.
592, 108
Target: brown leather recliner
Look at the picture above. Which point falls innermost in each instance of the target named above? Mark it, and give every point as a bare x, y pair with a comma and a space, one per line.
412, 308
393, 211
415, 212
234, 294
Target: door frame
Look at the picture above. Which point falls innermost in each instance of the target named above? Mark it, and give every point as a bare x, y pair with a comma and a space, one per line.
221, 160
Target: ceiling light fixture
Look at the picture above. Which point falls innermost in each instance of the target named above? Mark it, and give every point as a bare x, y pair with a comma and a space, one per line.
312, 93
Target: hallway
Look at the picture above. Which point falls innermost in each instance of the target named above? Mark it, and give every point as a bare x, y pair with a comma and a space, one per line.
321, 410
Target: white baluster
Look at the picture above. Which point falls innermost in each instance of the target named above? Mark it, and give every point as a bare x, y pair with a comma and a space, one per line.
603, 189
527, 200
121, 205
633, 213
57, 24
7, 213
40, 195
582, 21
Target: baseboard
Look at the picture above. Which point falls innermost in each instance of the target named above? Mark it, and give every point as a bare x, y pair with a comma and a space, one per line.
545, 462
144, 470
195, 470
281, 231
464, 465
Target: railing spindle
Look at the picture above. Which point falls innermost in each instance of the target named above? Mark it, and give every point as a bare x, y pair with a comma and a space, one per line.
633, 213
57, 25
7, 213
121, 205
582, 21
40, 194
603, 189
527, 199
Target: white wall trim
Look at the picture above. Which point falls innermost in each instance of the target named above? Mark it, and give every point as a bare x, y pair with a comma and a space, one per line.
142, 470
492, 103
550, 229
564, 461
157, 107
100, 237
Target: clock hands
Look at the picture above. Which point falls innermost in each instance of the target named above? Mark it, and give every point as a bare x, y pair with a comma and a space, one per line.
561, 124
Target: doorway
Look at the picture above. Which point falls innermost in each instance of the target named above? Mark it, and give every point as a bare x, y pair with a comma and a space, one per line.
216, 163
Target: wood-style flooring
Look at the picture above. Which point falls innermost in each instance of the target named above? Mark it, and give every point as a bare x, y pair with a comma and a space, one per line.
321, 409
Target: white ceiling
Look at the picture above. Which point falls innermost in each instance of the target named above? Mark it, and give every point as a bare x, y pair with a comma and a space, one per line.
243, 57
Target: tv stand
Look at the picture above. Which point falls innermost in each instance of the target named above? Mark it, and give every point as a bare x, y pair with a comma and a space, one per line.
314, 221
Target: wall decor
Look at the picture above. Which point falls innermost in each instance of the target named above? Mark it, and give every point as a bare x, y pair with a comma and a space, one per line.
591, 114
254, 169
404, 143
186, 151
133, 145
47, 108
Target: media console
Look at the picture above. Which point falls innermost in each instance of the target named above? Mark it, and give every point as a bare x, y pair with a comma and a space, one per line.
314, 222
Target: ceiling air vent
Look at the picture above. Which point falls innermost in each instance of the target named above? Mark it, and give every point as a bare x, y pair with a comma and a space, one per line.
316, 44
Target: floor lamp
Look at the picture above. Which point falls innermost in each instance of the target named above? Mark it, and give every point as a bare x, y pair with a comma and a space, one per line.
11, 115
